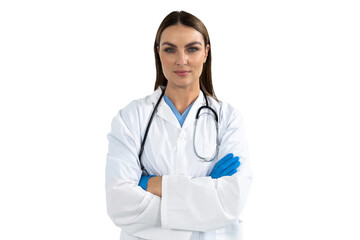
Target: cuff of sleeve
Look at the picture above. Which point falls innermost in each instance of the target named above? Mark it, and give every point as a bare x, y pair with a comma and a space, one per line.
164, 200
144, 181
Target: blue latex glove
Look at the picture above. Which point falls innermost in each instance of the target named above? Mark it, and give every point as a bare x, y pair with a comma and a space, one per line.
227, 166
144, 180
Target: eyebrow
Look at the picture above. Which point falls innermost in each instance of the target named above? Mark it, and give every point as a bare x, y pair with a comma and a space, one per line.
187, 45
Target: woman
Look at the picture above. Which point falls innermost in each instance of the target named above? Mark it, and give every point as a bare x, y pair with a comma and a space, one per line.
168, 175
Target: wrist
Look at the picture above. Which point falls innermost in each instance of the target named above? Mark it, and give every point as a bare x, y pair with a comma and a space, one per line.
144, 180
154, 186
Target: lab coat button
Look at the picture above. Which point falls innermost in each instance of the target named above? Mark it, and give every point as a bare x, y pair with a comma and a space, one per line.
182, 135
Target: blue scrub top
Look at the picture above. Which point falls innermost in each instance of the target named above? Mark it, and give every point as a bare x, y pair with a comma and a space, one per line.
180, 117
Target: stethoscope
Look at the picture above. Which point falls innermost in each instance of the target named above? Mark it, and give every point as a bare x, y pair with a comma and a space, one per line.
198, 114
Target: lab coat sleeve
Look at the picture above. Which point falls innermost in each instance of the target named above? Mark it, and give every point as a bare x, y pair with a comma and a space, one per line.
203, 204
128, 205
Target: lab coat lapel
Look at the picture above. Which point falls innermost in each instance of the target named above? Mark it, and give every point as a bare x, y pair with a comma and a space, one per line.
190, 119
164, 110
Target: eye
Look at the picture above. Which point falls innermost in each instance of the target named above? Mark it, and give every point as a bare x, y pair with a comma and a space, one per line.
193, 49
169, 50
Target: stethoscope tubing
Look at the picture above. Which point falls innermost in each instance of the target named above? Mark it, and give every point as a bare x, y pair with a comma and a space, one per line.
147, 131
196, 118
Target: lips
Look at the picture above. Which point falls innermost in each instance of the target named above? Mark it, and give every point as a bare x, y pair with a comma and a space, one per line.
182, 73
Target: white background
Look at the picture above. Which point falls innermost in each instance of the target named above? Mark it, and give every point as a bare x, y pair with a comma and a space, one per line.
290, 67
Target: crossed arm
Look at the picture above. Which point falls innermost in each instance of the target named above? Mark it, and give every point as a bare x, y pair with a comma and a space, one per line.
162, 209
227, 166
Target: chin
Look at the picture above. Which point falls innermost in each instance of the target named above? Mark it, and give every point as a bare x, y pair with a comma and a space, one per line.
184, 84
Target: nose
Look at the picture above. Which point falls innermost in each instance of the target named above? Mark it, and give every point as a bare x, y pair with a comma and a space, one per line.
181, 59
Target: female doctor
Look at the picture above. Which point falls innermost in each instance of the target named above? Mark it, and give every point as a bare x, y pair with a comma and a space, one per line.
177, 165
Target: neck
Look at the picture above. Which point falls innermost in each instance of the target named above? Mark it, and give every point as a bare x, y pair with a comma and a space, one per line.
182, 97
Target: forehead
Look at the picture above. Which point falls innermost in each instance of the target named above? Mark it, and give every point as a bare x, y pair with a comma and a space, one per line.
180, 34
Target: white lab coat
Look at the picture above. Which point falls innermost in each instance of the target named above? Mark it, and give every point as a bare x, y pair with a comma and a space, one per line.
193, 205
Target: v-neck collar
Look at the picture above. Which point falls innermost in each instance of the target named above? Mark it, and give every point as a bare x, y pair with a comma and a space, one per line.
180, 117
165, 112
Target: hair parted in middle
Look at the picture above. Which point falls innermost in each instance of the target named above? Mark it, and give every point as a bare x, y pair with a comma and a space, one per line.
189, 20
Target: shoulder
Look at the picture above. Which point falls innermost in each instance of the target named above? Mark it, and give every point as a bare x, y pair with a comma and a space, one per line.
132, 111
136, 113
227, 113
140, 108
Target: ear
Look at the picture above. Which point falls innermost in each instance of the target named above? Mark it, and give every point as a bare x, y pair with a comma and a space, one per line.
158, 49
207, 49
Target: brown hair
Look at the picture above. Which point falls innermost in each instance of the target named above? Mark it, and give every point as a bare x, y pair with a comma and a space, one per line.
186, 19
